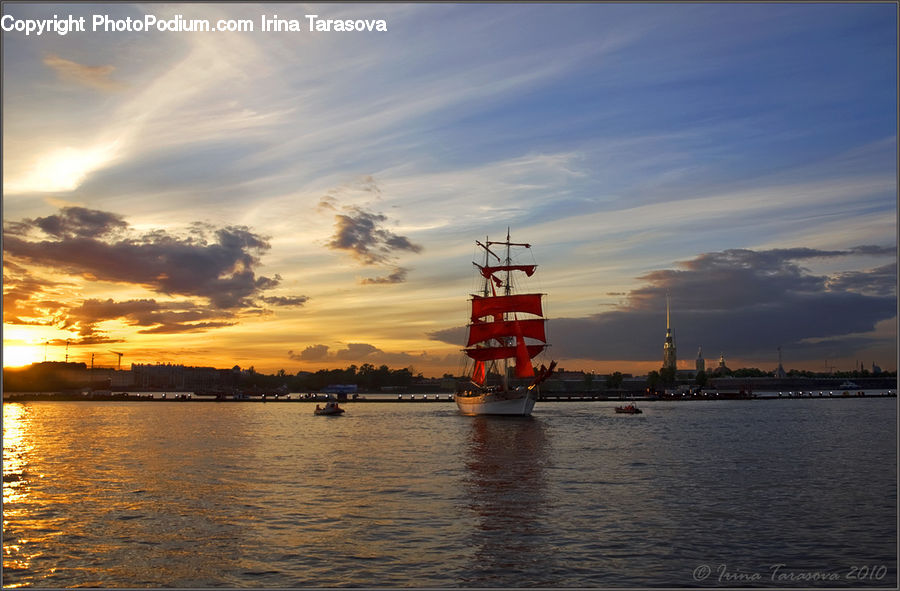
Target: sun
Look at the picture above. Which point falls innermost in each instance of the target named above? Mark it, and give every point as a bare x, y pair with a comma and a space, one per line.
20, 355
64, 169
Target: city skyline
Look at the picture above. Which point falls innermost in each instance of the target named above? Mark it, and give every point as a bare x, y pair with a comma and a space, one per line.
304, 200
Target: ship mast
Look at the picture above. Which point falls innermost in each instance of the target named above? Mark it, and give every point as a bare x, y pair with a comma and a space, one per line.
487, 280
506, 330
488, 288
506, 291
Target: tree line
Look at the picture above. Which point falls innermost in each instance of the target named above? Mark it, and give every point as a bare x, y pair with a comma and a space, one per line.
365, 377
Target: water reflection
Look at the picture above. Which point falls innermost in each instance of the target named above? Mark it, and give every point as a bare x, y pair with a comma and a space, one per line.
98, 494
15, 450
172, 494
15, 484
506, 483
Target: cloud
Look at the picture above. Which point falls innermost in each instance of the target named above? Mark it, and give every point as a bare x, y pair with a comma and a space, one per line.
367, 353
158, 317
215, 264
357, 351
284, 300
93, 243
740, 301
28, 300
311, 353
353, 352
96, 77
79, 222
398, 275
881, 281
361, 233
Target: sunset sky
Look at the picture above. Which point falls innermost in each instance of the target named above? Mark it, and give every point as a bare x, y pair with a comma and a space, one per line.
304, 200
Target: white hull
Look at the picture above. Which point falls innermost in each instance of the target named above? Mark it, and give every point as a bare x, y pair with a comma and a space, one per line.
493, 404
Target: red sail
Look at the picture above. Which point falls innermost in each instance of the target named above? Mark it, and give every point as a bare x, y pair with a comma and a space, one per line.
478, 375
523, 361
492, 353
484, 331
488, 271
529, 303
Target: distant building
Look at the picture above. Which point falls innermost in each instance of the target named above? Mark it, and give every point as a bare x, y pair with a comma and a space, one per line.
180, 377
722, 370
701, 363
669, 359
779, 371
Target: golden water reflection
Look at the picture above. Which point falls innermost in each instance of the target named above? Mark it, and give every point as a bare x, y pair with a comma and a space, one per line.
15, 484
15, 452
96, 494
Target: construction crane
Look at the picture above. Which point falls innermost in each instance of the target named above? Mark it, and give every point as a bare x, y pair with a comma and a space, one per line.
119, 366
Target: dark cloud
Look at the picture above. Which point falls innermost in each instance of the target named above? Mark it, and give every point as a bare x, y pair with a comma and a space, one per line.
93, 243
311, 353
284, 300
398, 275
878, 282
357, 351
366, 353
742, 302
361, 234
179, 328
158, 317
72, 222
216, 265
96, 339
353, 352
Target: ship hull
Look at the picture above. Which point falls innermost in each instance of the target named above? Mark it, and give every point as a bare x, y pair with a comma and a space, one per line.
495, 404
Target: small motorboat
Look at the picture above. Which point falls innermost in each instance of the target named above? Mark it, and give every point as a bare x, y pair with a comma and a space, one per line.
331, 408
628, 409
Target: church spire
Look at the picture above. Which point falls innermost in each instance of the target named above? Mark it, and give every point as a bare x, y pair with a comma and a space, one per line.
669, 360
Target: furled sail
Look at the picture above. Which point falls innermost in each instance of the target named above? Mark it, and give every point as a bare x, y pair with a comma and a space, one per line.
528, 303
487, 271
484, 331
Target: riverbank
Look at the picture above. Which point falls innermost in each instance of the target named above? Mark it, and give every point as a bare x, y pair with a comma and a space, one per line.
426, 398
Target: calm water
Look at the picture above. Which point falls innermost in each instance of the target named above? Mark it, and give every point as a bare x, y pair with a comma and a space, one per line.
414, 495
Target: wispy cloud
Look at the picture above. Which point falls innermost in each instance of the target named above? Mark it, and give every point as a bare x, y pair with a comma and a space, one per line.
97, 77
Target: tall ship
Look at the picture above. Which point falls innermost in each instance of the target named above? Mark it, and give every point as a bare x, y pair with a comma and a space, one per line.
506, 330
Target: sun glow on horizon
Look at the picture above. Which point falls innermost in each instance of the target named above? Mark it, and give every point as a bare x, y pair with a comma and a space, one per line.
21, 355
